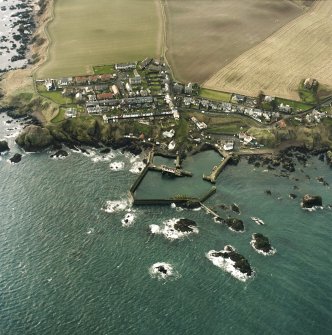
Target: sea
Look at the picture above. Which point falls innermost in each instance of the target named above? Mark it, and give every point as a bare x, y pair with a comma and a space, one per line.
76, 257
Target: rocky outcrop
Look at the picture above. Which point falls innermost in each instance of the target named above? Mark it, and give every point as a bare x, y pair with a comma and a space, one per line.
16, 158
4, 146
185, 225
234, 224
310, 201
34, 138
239, 262
60, 154
329, 157
261, 244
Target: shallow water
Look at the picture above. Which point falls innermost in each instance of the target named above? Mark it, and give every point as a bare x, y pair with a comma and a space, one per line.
70, 267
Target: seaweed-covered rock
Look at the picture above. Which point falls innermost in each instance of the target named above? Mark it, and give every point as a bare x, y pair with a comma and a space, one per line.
34, 138
59, 154
105, 151
185, 225
235, 224
292, 196
310, 201
235, 208
261, 243
4, 146
329, 157
16, 158
240, 263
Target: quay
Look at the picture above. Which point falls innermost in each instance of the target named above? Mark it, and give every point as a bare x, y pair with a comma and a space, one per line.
217, 170
170, 170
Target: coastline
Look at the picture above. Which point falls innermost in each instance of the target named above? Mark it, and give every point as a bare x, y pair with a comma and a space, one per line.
18, 81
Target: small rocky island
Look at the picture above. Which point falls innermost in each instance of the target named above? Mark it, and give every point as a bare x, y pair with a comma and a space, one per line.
4, 146
262, 244
235, 224
162, 270
232, 262
310, 201
185, 225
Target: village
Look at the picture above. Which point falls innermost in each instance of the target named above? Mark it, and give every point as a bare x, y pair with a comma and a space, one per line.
145, 91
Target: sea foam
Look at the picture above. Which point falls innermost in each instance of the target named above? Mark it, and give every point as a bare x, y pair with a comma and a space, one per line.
162, 271
167, 229
227, 265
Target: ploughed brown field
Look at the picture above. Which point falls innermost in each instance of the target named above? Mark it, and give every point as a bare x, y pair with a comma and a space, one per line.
301, 49
204, 36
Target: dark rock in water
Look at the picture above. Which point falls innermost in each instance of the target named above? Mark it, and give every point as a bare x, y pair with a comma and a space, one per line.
257, 164
184, 225
162, 269
295, 187
224, 207
292, 196
235, 208
84, 151
310, 201
235, 224
329, 157
105, 151
191, 204
268, 192
34, 138
240, 263
234, 160
4, 146
60, 153
321, 157
16, 158
323, 181
261, 242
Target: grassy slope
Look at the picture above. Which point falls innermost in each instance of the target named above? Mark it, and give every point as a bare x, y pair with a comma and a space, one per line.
86, 33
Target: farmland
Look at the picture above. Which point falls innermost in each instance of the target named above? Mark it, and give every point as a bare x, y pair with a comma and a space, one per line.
86, 33
299, 50
204, 36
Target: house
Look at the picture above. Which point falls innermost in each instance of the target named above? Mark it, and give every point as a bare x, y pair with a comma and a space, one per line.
268, 98
176, 114
237, 98
125, 66
188, 89
79, 96
104, 96
135, 80
154, 68
50, 85
128, 87
228, 146
80, 80
145, 63
115, 90
101, 87
63, 82
199, 125
309, 83
177, 88
70, 113
284, 108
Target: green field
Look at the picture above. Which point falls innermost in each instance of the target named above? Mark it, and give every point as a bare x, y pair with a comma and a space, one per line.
86, 33
296, 105
104, 69
214, 95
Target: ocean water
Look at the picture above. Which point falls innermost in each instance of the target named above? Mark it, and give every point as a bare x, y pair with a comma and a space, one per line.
70, 265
